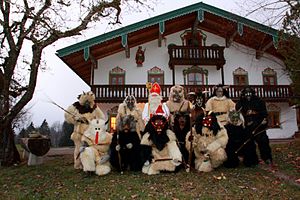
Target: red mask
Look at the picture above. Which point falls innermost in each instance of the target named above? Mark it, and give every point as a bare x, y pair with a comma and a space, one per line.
158, 124
207, 121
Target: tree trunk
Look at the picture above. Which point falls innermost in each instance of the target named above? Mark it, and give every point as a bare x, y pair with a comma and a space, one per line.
9, 154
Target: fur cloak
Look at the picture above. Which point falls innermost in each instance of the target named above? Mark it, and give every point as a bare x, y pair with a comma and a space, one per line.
220, 106
94, 152
208, 144
123, 110
159, 151
79, 114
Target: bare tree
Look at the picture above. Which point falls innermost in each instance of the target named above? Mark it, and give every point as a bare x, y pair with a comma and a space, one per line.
27, 28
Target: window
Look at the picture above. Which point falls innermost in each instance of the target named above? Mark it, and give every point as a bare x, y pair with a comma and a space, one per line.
195, 76
117, 76
190, 39
155, 74
240, 77
273, 116
112, 113
269, 77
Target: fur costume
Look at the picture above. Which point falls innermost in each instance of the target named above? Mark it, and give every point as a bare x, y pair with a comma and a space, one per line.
154, 105
209, 140
95, 146
79, 114
235, 147
125, 147
198, 103
220, 104
128, 107
255, 113
181, 128
177, 102
159, 148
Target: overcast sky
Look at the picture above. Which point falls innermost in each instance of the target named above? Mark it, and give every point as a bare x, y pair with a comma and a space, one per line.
60, 84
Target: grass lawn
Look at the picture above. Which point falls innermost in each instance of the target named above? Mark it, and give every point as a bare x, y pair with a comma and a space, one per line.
56, 179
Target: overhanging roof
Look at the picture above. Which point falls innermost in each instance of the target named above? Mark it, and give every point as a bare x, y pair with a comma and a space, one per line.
215, 20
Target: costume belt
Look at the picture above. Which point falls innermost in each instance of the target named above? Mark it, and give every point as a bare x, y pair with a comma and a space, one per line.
220, 113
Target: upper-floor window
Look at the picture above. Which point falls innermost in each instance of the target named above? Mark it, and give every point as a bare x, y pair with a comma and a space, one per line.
273, 116
189, 38
156, 74
195, 75
269, 77
240, 77
117, 76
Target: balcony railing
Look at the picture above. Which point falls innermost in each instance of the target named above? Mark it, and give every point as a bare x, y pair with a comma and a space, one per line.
188, 55
117, 93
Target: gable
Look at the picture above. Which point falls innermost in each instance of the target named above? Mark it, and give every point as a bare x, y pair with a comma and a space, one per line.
81, 56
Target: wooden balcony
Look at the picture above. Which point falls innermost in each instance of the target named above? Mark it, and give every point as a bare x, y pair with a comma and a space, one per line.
117, 93
189, 55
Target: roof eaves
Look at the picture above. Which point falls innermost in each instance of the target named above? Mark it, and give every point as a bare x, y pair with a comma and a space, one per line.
164, 17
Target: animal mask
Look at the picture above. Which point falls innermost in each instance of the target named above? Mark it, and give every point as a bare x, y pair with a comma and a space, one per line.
87, 99
235, 118
177, 94
130, 102
127, 124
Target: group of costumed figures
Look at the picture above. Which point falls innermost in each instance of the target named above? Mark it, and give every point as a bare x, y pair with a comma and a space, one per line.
168, 136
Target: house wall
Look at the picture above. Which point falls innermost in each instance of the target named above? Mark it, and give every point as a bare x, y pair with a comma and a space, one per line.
236, 56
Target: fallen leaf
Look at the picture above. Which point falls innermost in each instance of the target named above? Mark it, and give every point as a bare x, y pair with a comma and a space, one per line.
134, 196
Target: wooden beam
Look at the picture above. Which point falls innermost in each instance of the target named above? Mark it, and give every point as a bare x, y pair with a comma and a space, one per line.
230, 39
160, 37
260, 52
127, 51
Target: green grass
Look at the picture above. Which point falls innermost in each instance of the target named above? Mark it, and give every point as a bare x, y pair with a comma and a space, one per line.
56, 179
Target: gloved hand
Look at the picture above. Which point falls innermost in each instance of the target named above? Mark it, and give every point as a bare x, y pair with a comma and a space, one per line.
264, 121
129, 145
176, 162
81, 119
103, 159
118, 147
147, 163
81, 149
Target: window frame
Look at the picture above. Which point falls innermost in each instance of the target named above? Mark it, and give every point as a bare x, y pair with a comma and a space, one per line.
267, 74
117, 73
237, 74
273, 116
195, 70
156, 72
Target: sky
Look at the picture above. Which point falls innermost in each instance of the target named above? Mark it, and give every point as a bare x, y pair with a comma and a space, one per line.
61, 85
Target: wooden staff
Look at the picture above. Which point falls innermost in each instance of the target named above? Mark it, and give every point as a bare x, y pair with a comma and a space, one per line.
188, 169
119, 154
253, 134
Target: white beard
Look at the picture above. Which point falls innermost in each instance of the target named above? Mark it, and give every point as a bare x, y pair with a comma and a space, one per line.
154, 102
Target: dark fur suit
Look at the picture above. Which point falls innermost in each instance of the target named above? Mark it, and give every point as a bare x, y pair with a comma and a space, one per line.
255, 112
237, 135
129, 146
181, 128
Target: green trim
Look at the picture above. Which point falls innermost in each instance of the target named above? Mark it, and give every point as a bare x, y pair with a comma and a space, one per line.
164, 17
275, 41
162, 27
240, 28
200, 15
124, 40
86, 53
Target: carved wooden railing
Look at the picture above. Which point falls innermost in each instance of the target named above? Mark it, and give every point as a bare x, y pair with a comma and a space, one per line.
117, 93
188, 55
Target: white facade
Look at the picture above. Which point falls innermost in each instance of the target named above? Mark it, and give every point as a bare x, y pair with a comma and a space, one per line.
236, 56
